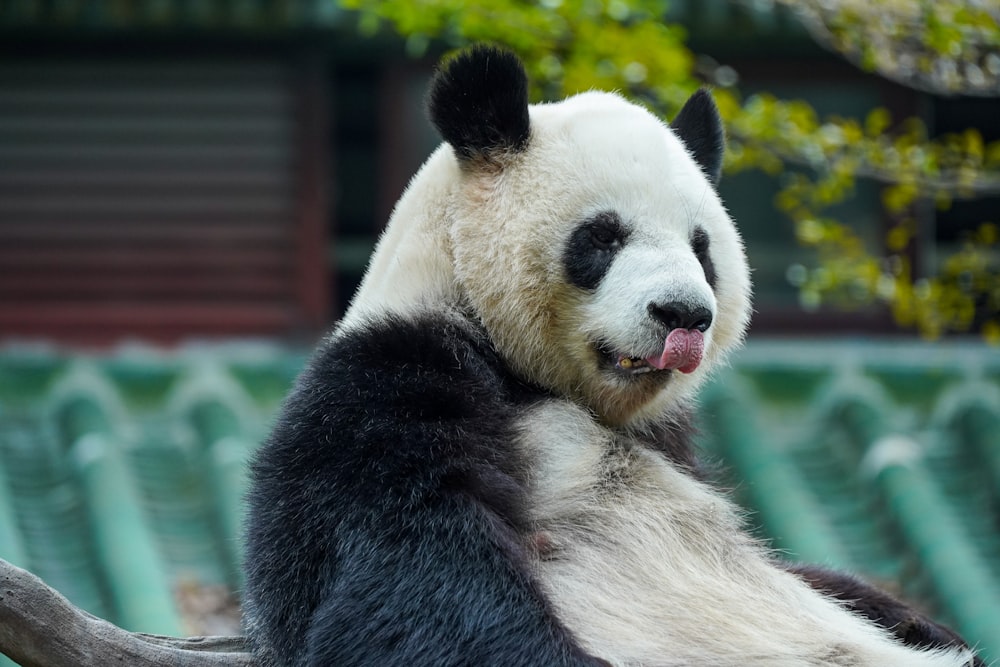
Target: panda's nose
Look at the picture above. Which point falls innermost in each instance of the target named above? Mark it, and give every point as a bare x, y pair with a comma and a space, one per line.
677, 315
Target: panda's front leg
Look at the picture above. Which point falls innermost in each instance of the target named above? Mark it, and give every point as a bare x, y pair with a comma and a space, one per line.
906, 623
442, 585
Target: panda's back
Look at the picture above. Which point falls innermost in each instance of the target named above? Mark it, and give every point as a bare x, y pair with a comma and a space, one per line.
392, 477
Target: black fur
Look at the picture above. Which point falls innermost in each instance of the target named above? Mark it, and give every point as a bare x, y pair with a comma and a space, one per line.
702, 250
909, 625
386, 521
591, 249
673, 439
700, 128
478, 101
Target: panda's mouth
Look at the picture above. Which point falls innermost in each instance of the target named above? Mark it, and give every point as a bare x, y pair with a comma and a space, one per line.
624, 364
682, 351
633, 365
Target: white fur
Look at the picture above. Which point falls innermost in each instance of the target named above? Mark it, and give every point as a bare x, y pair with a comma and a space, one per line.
656, 568
412, 264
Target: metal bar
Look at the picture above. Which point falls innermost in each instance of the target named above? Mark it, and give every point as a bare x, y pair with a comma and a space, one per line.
11, 545
140, 588
228, 472
787, 508
979, 427
226, 461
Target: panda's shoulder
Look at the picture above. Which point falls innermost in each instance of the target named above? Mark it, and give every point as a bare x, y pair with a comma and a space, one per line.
397, 359
398, 408
408, 379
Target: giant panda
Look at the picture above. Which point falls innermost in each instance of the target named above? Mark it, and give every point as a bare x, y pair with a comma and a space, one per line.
489, 461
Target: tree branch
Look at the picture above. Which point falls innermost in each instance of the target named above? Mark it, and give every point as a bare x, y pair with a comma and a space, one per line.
40, 628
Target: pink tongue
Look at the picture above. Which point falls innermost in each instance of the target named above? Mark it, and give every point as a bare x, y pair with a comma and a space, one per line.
682, 350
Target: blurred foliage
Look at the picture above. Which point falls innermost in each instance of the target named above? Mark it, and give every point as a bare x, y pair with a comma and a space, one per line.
574, 45
938, 46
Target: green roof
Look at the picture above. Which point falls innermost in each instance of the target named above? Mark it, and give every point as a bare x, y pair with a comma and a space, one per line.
121, 475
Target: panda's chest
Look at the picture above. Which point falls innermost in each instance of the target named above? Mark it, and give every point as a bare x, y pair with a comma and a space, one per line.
626, 544
590, 484
648, 566
621, 517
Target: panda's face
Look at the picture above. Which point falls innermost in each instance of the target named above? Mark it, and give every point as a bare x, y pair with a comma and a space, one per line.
601, 260
586, 235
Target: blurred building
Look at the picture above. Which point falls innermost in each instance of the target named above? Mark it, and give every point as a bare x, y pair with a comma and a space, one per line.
174, 169
183, 169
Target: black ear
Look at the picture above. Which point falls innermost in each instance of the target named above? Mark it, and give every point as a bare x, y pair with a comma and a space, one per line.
700, 128
478, 101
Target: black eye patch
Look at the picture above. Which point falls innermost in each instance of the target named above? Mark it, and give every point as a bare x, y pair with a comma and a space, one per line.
592, 247
700, 246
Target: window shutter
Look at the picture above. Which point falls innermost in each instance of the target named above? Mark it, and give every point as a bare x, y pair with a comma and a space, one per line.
154, 199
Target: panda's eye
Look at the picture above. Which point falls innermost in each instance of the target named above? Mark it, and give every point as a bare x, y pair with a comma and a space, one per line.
699, 245
591, 249
606, 232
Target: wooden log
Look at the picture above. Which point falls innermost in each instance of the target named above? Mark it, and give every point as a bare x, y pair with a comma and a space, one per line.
40, 628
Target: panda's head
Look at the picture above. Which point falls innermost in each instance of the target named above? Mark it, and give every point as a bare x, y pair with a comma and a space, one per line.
586, 235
